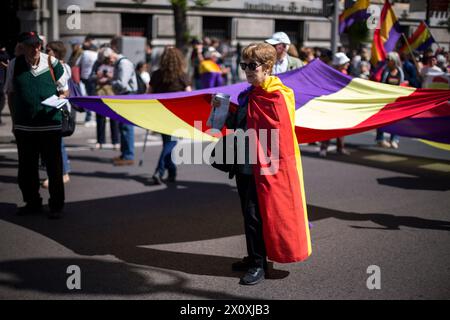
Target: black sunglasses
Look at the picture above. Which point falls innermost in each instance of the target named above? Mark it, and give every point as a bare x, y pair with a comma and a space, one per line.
251, 66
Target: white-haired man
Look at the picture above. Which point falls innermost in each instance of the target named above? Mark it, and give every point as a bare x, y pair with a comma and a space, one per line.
285, 62
124, 82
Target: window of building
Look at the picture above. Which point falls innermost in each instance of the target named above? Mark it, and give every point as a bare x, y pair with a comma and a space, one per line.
293, 28
137, 25
217, 27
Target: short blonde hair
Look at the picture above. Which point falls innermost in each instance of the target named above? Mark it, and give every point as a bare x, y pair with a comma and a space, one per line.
263, 53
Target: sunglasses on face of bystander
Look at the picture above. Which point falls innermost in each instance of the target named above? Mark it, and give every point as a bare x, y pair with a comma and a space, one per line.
251, 66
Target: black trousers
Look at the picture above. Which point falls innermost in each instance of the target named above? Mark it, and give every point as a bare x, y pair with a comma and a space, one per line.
31, 145
252, 219
101, 129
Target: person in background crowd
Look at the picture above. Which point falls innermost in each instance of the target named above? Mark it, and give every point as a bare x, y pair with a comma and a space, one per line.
74, 62
410, 70
228, 60
326, 56
211, 73
238, 61
76, 53
433, 77
392, 74
143, 77
124, 82
86, 63
170, 77
196, 59
148, 54
4, 60
281, 42
292, 51
102, 74
306, 55
58, 50
364, 70
441, 62
37, 128
88, 43
340, 62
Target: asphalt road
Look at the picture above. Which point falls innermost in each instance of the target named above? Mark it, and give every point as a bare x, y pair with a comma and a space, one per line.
134, 240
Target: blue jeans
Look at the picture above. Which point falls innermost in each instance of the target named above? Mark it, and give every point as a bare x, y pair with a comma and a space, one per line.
126, 141
165, 159
380, 136
65, 159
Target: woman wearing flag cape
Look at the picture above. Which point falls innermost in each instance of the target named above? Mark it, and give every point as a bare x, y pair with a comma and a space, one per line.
272, 201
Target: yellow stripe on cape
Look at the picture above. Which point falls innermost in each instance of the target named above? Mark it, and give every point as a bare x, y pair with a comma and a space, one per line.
274, 84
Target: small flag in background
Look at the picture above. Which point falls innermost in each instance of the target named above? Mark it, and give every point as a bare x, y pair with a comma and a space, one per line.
420, 40
386, 35
357, 12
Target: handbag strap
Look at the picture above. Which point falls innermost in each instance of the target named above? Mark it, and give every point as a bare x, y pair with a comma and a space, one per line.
50, 66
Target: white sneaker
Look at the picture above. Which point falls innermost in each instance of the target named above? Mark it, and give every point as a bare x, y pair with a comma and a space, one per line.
66, 178
322, 153
394, 144
383, 144
90, 124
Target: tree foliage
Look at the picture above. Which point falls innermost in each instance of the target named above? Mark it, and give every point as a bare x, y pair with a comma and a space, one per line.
180, 8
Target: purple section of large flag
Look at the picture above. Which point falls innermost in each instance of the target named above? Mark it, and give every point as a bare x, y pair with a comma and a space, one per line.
434, 129
360, 15
96, 104
313, 80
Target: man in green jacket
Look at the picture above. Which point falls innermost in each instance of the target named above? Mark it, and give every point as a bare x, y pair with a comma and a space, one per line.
32, 78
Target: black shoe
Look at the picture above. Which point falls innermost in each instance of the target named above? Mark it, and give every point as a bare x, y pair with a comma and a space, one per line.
171, 178
29, 209
253, 276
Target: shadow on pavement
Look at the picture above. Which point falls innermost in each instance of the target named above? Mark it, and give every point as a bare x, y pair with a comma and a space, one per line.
422, 179
416, 183
127, 226
97, 277
385, 221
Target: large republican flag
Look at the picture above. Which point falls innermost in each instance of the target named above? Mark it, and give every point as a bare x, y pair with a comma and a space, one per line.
328, 104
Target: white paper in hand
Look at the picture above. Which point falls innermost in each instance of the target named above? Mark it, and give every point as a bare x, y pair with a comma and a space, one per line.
54, 102
219, 115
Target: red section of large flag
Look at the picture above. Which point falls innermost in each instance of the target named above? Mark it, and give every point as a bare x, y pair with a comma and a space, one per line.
280, 195
416, 103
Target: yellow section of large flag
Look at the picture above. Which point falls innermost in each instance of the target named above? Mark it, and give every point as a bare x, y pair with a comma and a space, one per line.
153, 114
350, 106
